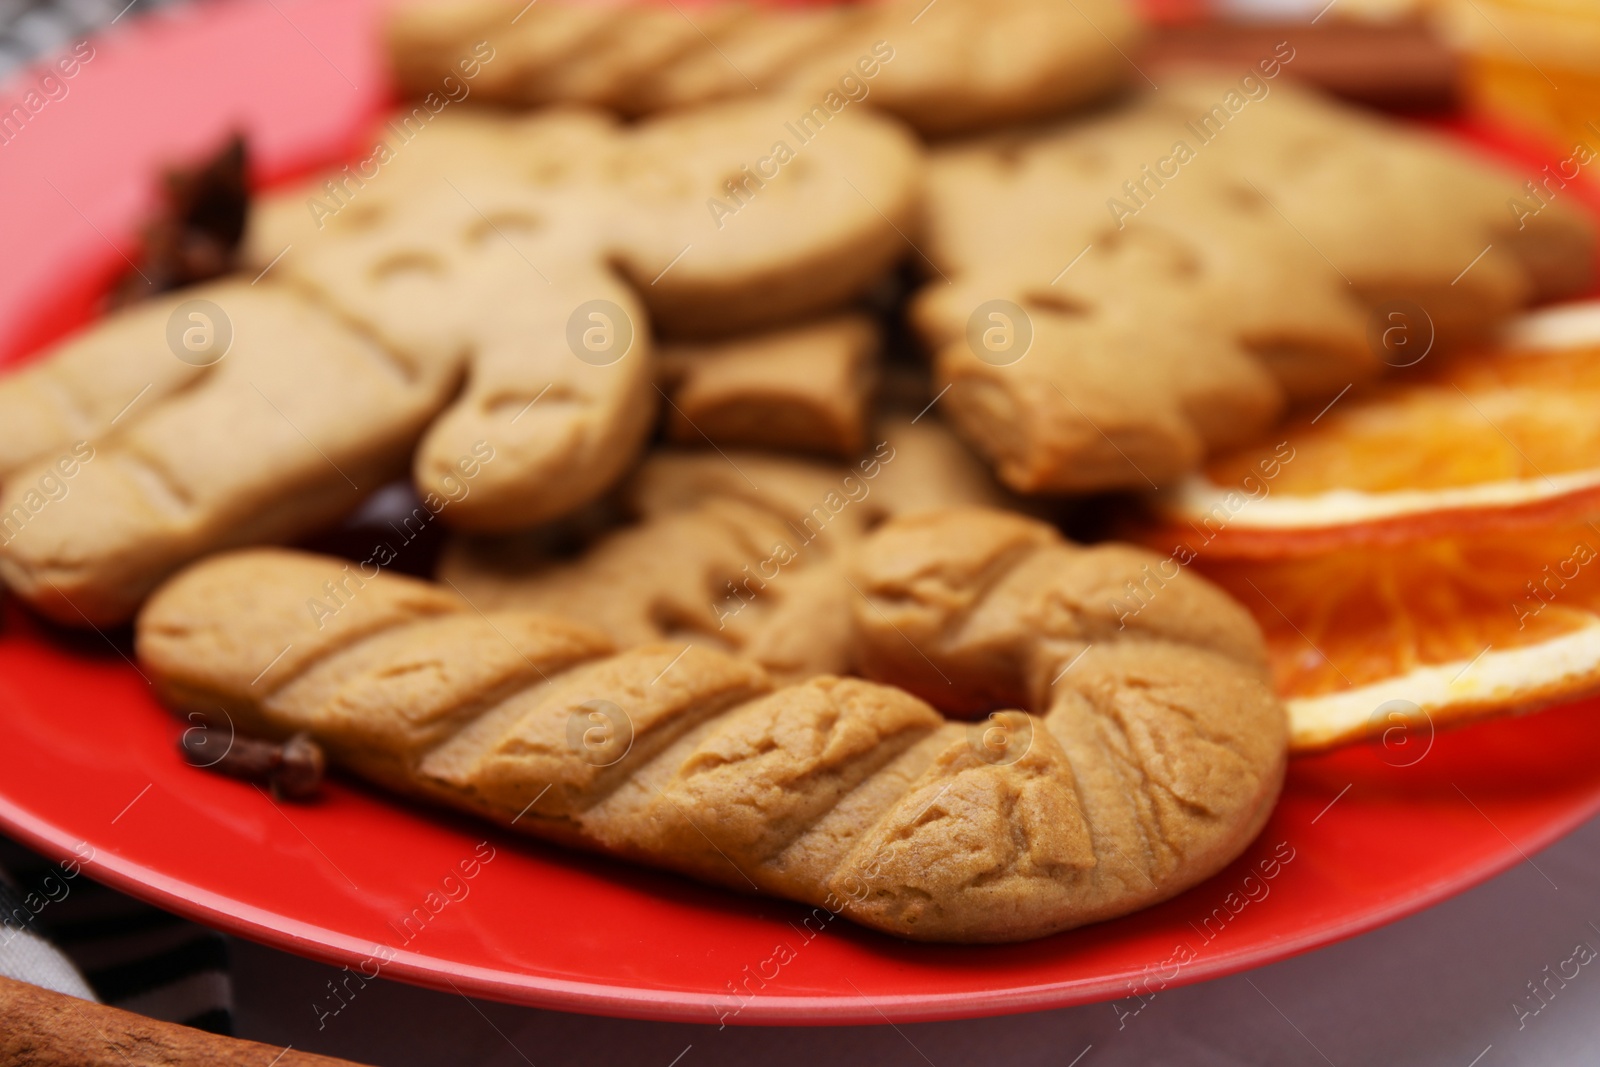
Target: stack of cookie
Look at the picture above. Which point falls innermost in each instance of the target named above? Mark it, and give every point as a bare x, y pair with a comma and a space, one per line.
647, 308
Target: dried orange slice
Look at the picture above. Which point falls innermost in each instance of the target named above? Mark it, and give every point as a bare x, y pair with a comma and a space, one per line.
1440, 631
1426, 553
1493, 441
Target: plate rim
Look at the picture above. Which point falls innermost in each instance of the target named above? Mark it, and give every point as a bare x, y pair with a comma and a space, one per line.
219, 911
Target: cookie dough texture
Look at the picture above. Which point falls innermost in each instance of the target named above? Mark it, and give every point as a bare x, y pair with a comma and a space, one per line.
956, 66
801, 389
737, 551
1153, 767
482, 301
1157, 751
540, 254
1174, 273
286, 432
75, 391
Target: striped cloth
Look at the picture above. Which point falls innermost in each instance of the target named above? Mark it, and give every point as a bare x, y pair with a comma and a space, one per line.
29, 28
62, 931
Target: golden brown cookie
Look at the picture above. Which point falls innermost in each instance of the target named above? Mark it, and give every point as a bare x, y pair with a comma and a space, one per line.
1178, 270
976, 65
735, 217
945, 67
801, 389
279, 427
1158, 749
527, 260
1155, 766
732, 550
540, 254
757, 571
88, 383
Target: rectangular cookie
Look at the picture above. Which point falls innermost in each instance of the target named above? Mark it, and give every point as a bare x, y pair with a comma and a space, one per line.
804, 389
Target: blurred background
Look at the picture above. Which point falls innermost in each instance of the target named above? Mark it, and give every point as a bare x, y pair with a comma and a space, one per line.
1534, 63
32, 27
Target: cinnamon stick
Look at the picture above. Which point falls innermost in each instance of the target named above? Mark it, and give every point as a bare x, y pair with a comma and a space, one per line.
1404, 66
39, 1028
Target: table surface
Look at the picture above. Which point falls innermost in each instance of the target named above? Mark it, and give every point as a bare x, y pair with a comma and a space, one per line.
1452, 986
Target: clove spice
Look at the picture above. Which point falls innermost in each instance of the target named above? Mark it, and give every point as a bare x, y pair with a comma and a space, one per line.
195, 234
291, 769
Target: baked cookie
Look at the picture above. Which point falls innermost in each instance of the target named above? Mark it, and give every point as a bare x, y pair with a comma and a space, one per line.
541, 253
232, 447
88, 383
800, 389
732, 550
1161, 727
496, 261
1161, 759
959, 66
1127, 325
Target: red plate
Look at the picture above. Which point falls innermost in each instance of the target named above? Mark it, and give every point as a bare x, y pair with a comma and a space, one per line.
88, 763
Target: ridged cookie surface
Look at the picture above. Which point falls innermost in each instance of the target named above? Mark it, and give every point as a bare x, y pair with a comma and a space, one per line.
1155, 765
1155, 719
956, 66
283, 432
734, 550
